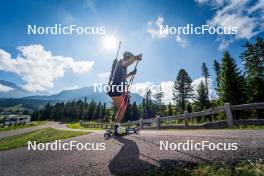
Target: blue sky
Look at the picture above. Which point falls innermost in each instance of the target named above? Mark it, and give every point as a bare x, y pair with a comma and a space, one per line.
128, 20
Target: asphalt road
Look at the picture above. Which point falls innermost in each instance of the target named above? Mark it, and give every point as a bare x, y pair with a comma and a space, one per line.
132, 155
52, 124
4, 134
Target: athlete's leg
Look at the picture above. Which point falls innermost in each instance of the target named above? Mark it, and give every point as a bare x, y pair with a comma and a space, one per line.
120, 114
122, 109
119, 102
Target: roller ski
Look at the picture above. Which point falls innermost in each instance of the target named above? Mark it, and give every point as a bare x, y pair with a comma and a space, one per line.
118, 132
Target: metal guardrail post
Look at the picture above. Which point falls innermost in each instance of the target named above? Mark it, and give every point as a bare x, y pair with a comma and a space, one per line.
229, 116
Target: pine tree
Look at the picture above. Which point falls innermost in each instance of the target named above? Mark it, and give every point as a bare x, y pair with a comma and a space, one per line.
182, 90
231, 82
158, 97
253, 58
217, 70
91, 111
103, 112
47, 111
128, 113
73, 111
97, 112
158, 101
205, 74
107, 116
135, 111
189, 108
170, 110
148, 105
147, 97
202, 97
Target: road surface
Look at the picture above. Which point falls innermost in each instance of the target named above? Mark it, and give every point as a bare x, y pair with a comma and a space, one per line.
52, 124
131, 155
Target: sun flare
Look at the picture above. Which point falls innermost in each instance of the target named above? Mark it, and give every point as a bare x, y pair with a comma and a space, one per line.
110, 42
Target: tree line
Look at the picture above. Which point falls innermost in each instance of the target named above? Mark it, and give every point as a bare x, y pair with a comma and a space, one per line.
232, 84
73, 111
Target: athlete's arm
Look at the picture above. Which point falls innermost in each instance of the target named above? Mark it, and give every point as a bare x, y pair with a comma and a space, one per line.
131, 60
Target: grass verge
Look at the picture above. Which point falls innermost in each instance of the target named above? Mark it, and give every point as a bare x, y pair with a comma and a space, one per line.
31, 124
40, 136
244, 168
78, 126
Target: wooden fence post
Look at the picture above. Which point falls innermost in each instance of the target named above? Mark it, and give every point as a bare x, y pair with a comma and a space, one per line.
186, 119
229, 116
158, 122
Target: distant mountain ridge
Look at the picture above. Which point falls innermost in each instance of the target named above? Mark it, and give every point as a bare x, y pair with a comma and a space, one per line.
81, 94
10, 84
20, 96
17, 91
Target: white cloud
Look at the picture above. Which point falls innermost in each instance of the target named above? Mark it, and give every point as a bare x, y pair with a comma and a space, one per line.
72, 87
68, 19
4, 88
153, 28
224, 43
212, 92
167, 88
38, 67
258, 6
104, 75
91, 5
246, 15
214, 3
141, 88
181, 41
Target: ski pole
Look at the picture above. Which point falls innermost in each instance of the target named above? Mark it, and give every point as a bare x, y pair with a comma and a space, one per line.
127, 93
117, 53
119, 46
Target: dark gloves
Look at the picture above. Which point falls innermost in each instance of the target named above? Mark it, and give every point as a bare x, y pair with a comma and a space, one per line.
133, 72
139, 57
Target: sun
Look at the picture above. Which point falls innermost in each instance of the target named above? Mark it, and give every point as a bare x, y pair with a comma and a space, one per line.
110, 42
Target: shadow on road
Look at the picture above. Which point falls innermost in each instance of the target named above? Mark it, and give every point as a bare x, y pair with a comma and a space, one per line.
128, 162
204, 160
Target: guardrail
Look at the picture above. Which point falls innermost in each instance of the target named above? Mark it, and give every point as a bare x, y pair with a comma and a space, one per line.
227, 109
